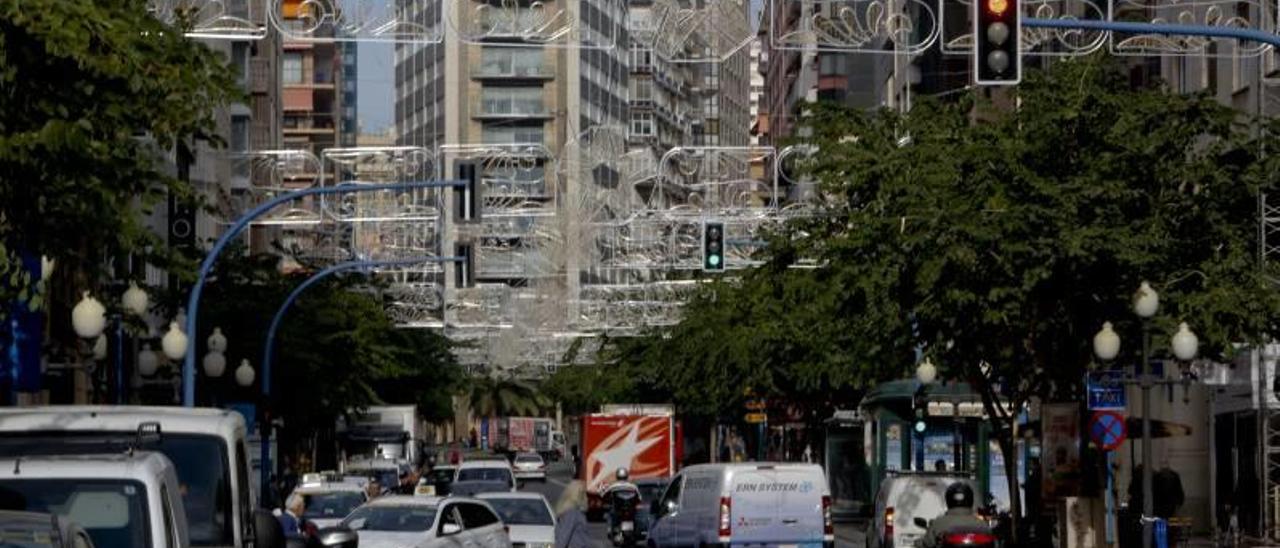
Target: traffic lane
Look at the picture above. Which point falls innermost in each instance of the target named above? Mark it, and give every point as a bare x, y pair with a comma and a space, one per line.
852, 535
558, 477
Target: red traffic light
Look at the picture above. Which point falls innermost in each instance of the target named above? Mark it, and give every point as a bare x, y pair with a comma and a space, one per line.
997, 7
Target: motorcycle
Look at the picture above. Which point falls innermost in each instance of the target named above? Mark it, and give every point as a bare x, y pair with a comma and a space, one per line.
973, 535
623, 504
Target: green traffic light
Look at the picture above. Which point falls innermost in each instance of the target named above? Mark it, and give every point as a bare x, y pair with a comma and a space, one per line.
920, 426
713, 260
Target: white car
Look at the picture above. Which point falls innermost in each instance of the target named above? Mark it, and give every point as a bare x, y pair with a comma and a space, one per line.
768, 504
485, 471
530, 466
327, 503
528, 517
124, 499
404, 521
904, 496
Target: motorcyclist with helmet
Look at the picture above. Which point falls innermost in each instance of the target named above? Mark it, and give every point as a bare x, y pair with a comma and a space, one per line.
621, 499
959, 517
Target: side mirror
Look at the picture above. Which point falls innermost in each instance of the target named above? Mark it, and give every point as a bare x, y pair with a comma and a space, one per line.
267, 530
450, 529
337, 537
921, 523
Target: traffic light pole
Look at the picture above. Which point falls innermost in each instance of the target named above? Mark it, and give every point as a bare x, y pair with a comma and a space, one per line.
1155, 28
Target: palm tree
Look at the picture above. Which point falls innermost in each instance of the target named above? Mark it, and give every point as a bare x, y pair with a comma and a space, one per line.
491, 396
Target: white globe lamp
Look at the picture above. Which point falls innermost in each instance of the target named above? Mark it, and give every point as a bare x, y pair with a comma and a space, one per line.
148, 361
1146, 302
1106, 344
135, 300
217, 341
215, 364
1185, 343
174, 342
89, 317
926, 372
245, 374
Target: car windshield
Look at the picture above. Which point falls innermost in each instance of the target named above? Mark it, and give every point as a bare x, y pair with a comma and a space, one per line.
391, 518
521, 511
27, 533
113, 512
528, 458
442, 475
485, 474
336, 504
200, 460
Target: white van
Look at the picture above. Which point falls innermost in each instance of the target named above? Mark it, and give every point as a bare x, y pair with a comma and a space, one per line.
121, 500
206, 446
904, 496
773, 504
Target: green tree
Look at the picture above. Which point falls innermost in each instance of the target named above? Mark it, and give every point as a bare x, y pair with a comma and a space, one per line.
94, 94
502, 396
1000, 243
336, 351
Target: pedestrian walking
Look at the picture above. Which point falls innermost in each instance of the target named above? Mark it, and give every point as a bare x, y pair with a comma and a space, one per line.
1167, 494
291, 518
571, 522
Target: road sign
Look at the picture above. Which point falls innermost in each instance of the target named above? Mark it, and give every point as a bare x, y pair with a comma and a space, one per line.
1107, 430
756, 405
1106, 391
757, 418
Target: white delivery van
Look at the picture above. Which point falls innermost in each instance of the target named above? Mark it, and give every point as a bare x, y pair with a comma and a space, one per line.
206, 446
122, 500
903, 497
760, 504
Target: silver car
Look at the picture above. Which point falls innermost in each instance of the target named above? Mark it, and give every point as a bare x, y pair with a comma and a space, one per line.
402, 521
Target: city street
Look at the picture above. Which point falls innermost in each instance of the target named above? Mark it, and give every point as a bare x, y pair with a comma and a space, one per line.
560, 474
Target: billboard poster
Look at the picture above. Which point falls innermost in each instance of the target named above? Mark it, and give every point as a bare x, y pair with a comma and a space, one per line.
1060, 449
893, 447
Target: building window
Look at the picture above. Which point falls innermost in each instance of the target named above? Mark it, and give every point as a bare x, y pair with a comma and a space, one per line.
512, 134
642, 124
239, 133
641, 89
291, 64
512, 100
512, 61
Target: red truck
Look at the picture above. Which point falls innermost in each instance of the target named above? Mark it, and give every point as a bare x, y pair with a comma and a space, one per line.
645, 441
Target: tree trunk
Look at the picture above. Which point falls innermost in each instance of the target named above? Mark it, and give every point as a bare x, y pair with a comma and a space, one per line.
1009, 450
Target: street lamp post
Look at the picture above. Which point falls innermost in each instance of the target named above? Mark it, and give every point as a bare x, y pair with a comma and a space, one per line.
89, 320
1106, 346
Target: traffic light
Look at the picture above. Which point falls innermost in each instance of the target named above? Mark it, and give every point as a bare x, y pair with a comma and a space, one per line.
997, 56
920, 406
713, 246
467, 199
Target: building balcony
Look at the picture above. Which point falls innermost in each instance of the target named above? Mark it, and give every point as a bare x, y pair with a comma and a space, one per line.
310, 123
500, 72
508, 109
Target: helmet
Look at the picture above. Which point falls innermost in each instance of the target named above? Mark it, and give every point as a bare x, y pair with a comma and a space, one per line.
959, 495
622, 474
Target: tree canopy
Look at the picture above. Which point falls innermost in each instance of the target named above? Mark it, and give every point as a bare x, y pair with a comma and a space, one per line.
94, 94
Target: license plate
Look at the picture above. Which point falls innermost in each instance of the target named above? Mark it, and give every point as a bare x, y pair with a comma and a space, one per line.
627, 526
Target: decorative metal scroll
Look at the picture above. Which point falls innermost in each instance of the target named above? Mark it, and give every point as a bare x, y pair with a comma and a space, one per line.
550, 23
728, 178
392, 21
268, 173
212, 19
622, 308
867, 26
415, 304
1244, 14
1036, 41
712, 33
387, 225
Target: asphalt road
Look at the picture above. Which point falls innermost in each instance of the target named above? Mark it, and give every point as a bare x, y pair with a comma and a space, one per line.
847, 535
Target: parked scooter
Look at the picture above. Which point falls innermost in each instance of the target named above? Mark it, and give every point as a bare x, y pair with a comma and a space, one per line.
960, 526
622, 501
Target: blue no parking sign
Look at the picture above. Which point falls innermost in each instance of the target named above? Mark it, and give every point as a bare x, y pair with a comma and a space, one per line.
1107, 430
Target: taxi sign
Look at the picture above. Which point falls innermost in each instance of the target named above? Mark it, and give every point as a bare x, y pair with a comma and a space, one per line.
425, 491
757, 418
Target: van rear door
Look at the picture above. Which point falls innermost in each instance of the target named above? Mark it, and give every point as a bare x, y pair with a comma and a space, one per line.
777, 505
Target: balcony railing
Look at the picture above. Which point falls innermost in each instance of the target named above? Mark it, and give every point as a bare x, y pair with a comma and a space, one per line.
498, 70
504, 107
